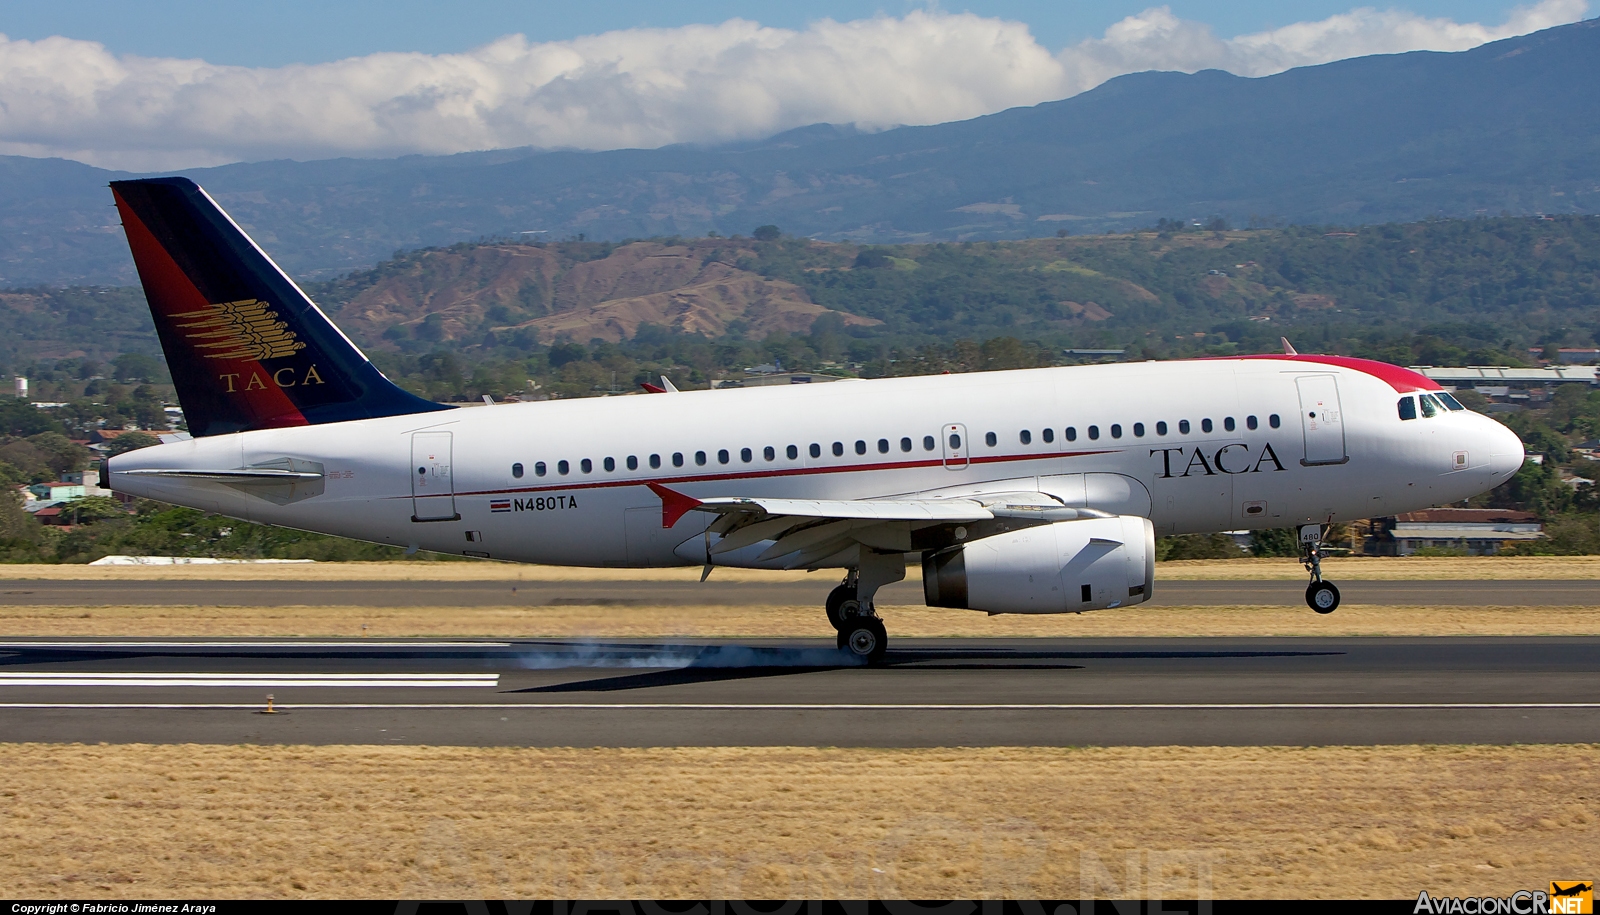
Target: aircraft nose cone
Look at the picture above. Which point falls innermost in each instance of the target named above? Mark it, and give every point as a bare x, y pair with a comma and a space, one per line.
1505, 450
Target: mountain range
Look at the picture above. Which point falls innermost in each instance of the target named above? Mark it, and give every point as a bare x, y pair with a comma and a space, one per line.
1507, 127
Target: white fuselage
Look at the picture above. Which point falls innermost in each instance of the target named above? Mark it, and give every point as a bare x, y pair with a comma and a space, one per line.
1252, 457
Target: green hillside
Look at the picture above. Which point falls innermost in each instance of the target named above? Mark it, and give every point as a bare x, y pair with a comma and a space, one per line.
509, 318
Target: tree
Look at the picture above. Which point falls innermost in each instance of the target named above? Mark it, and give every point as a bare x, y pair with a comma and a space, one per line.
767, 233
136, 367
131, 441
1282, 541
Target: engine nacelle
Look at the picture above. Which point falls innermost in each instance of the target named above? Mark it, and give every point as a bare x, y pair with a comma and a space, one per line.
1088, 564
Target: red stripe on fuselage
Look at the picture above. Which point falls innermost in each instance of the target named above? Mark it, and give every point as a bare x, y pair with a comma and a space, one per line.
171, 292
1401, 379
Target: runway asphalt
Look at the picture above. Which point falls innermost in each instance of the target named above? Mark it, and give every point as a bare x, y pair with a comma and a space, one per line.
729, 593
932, 692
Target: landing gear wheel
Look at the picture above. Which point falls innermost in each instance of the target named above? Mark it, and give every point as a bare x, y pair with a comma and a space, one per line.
1322, 596
837, 599
864, 637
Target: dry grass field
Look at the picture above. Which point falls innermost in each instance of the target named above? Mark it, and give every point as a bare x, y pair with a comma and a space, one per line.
1359, 568
678, 621
441, 822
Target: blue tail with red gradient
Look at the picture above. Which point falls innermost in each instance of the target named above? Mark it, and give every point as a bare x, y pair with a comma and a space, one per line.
247, 348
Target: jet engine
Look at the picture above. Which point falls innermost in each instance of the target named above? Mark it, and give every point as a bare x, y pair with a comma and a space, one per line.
1065, 567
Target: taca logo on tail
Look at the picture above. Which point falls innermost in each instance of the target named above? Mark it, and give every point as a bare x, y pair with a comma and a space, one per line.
247, 348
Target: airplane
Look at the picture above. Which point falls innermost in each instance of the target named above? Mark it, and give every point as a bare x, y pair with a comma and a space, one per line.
1032, 491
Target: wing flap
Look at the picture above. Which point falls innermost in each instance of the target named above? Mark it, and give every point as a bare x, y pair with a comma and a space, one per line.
935, 510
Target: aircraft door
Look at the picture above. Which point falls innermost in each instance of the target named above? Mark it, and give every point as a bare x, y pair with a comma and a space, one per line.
955, 442
1321, 419
433, 493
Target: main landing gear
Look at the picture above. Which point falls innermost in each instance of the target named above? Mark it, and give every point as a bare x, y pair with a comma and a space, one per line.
1321, 595
850, 609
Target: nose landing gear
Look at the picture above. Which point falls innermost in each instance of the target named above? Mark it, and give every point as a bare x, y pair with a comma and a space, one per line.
1321, 596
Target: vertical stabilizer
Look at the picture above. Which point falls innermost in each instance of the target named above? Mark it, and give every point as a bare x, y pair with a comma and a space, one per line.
247, 348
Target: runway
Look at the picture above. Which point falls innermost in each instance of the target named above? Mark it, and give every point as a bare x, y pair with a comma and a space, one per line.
931, 692
740, 593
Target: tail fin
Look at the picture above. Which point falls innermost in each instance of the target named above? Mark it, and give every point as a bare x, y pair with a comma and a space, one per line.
247, 348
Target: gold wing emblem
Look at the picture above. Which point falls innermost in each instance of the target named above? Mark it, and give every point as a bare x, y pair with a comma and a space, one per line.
246, 329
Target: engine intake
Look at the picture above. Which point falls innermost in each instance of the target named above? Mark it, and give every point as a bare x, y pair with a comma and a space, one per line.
1088, 564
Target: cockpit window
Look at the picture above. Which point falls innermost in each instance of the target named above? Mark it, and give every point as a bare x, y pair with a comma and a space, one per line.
1408, 408
1450, 402
1429, 408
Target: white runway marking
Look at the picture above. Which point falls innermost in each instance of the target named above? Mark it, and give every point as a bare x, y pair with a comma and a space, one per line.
820, 707
38, 678
362, 644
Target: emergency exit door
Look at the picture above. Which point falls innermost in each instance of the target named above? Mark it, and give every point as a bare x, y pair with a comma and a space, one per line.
1321, 419
433, 493
955, 446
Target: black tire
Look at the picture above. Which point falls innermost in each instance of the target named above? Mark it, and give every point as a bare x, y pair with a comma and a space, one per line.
865, 638
836, 600
1322, 596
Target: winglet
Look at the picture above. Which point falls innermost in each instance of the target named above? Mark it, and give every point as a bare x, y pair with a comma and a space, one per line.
665, 387
668, 386
1287, 349
674, 505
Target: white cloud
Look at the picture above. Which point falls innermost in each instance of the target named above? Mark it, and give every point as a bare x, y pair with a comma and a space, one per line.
1157, 40
639, 87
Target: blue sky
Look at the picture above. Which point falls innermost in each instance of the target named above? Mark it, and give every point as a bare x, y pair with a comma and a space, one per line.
270, 34
185, 83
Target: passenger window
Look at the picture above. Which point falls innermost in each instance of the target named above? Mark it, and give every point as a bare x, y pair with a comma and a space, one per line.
1450, 402
905, 444
1429, 408
563, 468
838, 449
700, 458
1161, 427
1027, 437
516, 471
655, 462
1138, 430
586, 465
1273, 421
1072, 433
816, 450
883, 446
861, 447
677, 458
1094, 432
1250, 423
610, 464
792, 452
633, 462
1049, 435
990, 439
955, 441
1116, 430
538, 469
1408, 408
746, 456
722, 456
770, 453
1183, 427
927, 443
1205, 425
1227, 423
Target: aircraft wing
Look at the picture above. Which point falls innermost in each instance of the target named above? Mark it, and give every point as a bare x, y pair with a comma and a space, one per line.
806, 533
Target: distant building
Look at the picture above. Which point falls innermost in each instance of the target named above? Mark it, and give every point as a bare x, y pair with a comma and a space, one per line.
761, 381
1501, 381
1477, 531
